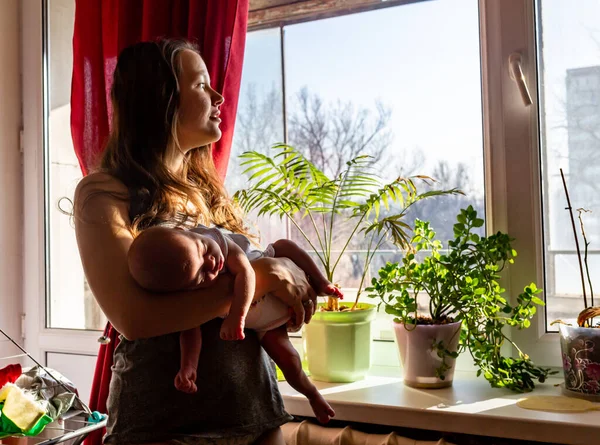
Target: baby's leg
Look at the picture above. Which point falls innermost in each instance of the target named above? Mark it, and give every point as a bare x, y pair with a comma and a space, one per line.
190, 343
277, 344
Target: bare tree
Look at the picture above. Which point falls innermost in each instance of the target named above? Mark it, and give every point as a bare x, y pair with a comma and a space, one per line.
442, 211
259, 125
449, 177
407, 162
330, 135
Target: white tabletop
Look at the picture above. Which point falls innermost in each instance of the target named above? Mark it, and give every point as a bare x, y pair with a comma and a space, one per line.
470, 406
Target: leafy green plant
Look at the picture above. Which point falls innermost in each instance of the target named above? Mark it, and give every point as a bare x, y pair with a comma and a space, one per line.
463, 285
289, 185
399, 284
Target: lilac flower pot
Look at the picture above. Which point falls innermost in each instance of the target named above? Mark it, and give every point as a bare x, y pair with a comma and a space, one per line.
420, 360
580, 349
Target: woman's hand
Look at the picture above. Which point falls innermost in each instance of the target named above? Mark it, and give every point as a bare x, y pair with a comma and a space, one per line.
284, 279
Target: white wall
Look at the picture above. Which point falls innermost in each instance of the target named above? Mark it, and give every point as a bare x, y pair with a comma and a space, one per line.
11, 175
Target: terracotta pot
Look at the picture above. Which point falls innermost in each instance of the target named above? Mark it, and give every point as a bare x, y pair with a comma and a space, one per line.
420, 360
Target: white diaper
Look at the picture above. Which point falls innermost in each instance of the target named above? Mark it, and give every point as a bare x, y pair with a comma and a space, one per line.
267, 313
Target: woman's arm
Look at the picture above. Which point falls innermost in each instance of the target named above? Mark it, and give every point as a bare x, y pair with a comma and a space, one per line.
103, 237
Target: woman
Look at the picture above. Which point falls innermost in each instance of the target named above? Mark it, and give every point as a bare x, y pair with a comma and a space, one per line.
157, 169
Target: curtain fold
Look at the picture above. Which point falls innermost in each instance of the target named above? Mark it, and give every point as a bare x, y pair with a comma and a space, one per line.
102, 29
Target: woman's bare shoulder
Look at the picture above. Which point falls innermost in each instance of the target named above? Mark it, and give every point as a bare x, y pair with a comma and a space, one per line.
99, 182
101, 197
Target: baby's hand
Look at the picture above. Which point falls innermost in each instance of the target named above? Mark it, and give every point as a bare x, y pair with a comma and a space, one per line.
233, 328
326, 288
185, 380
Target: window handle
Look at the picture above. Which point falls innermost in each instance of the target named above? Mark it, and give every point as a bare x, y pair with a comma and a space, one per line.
516, 73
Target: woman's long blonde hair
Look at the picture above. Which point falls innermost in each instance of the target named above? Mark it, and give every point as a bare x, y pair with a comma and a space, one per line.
145, 100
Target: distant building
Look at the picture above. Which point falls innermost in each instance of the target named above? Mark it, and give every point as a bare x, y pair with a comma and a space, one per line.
583, 127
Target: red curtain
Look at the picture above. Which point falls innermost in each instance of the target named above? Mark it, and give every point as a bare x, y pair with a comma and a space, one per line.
101, 382
102, 29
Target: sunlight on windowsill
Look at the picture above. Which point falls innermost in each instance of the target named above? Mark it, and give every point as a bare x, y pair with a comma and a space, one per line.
475, 407
370, 382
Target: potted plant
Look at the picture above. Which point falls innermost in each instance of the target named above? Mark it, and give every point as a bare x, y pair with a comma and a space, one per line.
467, 308
580, 344
338, 339
427, 344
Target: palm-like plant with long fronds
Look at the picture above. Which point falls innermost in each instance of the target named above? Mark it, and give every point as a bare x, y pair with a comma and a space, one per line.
288, 184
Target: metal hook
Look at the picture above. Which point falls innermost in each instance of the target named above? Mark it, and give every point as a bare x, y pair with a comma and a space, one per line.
104, 339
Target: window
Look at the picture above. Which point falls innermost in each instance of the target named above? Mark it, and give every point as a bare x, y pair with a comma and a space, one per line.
71, 305
372, 92
435, 73
569, 52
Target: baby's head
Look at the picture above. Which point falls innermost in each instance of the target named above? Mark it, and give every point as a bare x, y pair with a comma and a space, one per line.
166, 260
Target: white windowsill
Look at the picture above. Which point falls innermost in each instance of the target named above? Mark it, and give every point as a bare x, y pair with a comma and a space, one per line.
471, 406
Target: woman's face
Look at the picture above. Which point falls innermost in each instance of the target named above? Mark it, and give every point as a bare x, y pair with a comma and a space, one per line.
199, 104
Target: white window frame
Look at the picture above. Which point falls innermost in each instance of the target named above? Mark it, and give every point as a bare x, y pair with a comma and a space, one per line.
39, 339
512, 154
512, 172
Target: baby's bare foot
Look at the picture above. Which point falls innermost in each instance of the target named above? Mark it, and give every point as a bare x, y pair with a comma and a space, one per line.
185, 380
323, 411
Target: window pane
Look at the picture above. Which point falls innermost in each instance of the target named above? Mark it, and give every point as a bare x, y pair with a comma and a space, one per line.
70, 303
259, 121
402, 84
569, 46
403, 101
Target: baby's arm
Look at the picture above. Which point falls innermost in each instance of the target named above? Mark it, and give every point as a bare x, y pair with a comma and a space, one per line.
289, 249
243, 292
190, 344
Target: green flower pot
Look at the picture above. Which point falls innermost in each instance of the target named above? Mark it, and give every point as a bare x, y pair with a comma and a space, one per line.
337, 345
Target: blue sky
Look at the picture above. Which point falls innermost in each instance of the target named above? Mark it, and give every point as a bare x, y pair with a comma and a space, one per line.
421, 60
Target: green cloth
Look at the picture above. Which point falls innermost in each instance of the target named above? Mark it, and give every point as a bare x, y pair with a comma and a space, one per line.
60, 404
7, 428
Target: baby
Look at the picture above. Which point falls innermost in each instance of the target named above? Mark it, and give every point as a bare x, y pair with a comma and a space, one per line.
164, 259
